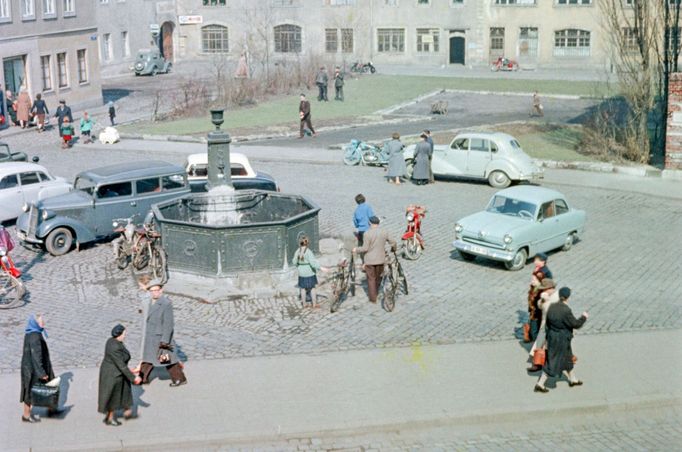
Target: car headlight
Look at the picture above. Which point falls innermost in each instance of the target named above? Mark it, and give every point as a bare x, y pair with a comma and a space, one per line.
410, 216
46, 215
458, 228
508, 239
25, 207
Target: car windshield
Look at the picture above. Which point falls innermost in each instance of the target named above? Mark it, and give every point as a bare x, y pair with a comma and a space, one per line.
84, 184
512, 207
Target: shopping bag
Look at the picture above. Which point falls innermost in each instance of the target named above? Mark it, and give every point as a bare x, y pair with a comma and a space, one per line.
45, 396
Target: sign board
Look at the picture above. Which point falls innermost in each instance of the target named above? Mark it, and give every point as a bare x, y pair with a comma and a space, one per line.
154, 28
190, 20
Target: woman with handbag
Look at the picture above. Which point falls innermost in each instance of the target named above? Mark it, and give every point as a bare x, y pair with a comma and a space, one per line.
116, 379
36, 368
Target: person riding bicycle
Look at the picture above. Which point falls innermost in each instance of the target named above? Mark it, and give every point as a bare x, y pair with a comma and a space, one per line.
374, 247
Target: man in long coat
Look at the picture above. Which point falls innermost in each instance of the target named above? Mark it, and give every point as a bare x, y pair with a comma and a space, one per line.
321, 81
63, 111
559, 330
374, 247
422, 162
304, 114
158, 337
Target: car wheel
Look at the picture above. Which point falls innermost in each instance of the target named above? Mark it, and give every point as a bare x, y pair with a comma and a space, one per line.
498, 179
467, 256
154, 71
59, 241
168, 69
519, 260
409, 168
568, 243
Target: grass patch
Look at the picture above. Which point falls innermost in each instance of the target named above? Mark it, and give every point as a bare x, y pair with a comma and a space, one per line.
364, 96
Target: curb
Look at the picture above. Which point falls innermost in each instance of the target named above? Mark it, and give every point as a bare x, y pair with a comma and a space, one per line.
598, 167
671, 174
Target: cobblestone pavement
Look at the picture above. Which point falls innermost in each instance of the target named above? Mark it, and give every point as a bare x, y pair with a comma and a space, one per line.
620, 271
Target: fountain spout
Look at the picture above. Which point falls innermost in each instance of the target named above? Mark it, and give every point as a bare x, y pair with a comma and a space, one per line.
219, 169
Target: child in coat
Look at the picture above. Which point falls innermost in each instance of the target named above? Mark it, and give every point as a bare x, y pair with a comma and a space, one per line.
67, 133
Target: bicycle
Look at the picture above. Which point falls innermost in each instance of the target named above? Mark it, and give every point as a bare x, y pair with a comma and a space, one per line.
392, 281
12, 290
343, 282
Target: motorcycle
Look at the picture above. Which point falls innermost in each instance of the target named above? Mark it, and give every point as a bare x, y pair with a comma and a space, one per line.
363, 67
12, 290
123, 245
360, 152
413, 242
504, 64
140, 246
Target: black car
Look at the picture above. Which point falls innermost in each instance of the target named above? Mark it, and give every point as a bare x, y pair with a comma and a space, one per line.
6, 155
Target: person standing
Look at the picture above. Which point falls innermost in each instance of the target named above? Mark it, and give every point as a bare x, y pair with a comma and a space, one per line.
396, 159
304, 113
321, 81
112, 113
35, 365
422, 153
363, 212
538, 109
115, 379
547, 295
375, 255
307, 266
159, 346
10, 103
86, 127
63, 111
338, 84
67, 133
430, 141
23, 109
40, 110
560, 326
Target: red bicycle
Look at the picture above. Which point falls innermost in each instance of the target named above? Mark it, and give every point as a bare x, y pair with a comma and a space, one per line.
413, 242
12, 290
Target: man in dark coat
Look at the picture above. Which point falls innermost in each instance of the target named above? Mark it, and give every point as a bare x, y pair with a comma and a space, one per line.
321, 81
430, 141
304, 113
115, 378
35, 364
338, 84
422, 162
560, 325
63, 111
159, 347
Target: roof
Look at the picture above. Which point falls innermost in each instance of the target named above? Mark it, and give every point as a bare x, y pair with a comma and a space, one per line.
131, 170
530, 193
235, 158
489, 135
17, 167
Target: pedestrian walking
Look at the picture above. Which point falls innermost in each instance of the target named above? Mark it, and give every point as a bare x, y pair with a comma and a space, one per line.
375, 255
422, 153
338, 84
40, 110
540, 262
66, 133
535, 290
538, 109
321, 81
560, 325
307, 266
116, 379
86, 127
36, 367
304, 114
548, 295
23, 109
63, 111
363, 212
10, 104
159, 346
430, 141
396, 159
112, 113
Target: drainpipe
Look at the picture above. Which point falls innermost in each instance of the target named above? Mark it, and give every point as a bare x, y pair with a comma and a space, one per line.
371, 30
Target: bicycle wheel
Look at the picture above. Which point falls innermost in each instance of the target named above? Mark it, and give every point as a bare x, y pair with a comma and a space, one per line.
141, 258
412, 249
158, 263
11, 291
389, 290
402, 279
122, 257
351, 156
336, 294
351, 276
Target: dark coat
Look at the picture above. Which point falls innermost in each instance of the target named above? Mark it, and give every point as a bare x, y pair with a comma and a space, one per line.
159, 329
60, 114
304, 108
422, 155
338, 80
560, 325
35, 364
115, 379
40, 107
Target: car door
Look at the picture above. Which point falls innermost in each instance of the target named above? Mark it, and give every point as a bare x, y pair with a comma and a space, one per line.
453, 160
549, 229
479, 157
112, 201
30, 186
147, 192
564, 222
11, 198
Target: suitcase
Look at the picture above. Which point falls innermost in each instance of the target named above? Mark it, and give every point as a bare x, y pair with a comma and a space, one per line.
45, 396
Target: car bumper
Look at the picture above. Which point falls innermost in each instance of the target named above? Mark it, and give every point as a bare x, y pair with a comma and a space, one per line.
484, 251
25, 238
533, 177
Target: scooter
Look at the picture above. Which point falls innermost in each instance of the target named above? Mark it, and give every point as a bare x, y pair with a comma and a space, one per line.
413, 242
504, 64
360, 152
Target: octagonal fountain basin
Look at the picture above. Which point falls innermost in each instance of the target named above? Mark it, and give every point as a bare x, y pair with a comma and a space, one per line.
223, 233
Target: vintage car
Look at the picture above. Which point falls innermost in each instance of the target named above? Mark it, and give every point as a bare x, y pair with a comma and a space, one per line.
151, 62
6, 155
519, 222
495, 157
100, 195
24, 183
244, 177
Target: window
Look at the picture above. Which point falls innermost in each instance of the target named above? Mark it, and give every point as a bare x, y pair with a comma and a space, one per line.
43, 177
331, 40
114, 190
125, 43
574, 2
82, 66
147, 186
428, 39
46, 72
391, 2
561, 206
69, 7
9, 182
5, 11
479, 144
391, 40
214, 39
28, 9
572, 42
104, 2
106, 46
629, 40
423, 2
49, 8
29, 178
62, 76
496, 43
285, 3
347, 40
462, 144
173, 182
339, 2
528, 42
457, 2
515, 2
546, 211
215, 2
287, 38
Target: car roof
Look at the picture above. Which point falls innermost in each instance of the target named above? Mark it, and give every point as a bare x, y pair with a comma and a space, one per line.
488, 135
530, 193
235, 157
17, 167
131, 170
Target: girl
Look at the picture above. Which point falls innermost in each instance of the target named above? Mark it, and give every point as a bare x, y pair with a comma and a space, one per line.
307, 267
67, 133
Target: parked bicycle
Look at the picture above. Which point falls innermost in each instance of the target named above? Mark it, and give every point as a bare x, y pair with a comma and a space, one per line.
343, 282
140, 246
393, 281
12, 290
359, 151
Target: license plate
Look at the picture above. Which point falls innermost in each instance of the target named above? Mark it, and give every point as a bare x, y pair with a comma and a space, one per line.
479, 250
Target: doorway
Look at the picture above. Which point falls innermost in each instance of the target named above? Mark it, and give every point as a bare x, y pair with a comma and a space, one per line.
166, 40
457, 49
15, 73
528, 46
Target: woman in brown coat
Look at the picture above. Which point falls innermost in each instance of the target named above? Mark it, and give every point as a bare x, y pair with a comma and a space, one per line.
23, 109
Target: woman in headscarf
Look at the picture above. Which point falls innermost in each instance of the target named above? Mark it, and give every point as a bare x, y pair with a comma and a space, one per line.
35, 364
115, 379
396, 159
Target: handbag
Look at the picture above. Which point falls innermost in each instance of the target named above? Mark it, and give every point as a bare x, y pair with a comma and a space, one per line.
539, 357
45, 396
164, 353
526, 332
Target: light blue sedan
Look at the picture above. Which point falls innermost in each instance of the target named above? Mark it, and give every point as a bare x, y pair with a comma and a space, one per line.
519, 222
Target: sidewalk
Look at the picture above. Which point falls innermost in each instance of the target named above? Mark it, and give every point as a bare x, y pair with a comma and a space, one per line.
355, 392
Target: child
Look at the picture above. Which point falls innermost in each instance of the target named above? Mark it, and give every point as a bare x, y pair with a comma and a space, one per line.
67, 133
307, 267
86, 127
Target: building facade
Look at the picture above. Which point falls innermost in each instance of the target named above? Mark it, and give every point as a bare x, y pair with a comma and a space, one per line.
50, 47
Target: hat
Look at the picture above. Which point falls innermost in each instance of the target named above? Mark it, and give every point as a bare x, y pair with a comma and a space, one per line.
564, 292
62, 101
541, 256
547, 283
117, 330
374, 220
154, 283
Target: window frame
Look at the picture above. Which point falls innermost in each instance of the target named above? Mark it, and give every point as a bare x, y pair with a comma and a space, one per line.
572, 42
83, 72
125, 43
66, 71
386, 38
147, 192
5, 11
49, 86
27, 15
209, 37
294, 38
69, 8
328, 48
33, 173
434, 45
98, 191
106, 47
49, 14
7, 177
345, 32
564, 209
213, 3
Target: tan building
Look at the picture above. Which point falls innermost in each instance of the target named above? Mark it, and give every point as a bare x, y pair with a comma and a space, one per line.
50, 47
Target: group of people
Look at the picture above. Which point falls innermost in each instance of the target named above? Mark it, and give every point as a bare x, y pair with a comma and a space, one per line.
550, 327
422, 173
116, 378
322, 81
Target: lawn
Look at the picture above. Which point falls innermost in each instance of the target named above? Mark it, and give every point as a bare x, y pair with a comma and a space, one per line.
364, 96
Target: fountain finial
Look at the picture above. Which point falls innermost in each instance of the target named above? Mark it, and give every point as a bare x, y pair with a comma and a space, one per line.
219, 169
217, 117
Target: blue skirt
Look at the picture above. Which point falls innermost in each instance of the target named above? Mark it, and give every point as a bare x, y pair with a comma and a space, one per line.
308, 282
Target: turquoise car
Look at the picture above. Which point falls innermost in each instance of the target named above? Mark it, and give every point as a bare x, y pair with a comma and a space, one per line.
519, 222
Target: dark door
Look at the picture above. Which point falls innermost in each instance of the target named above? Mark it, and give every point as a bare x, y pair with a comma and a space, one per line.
457, 50
166, 41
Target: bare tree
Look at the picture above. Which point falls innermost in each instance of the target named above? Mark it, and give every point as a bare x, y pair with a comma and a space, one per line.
260, 21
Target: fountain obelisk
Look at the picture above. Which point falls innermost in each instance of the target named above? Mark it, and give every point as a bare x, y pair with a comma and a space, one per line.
219, 170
